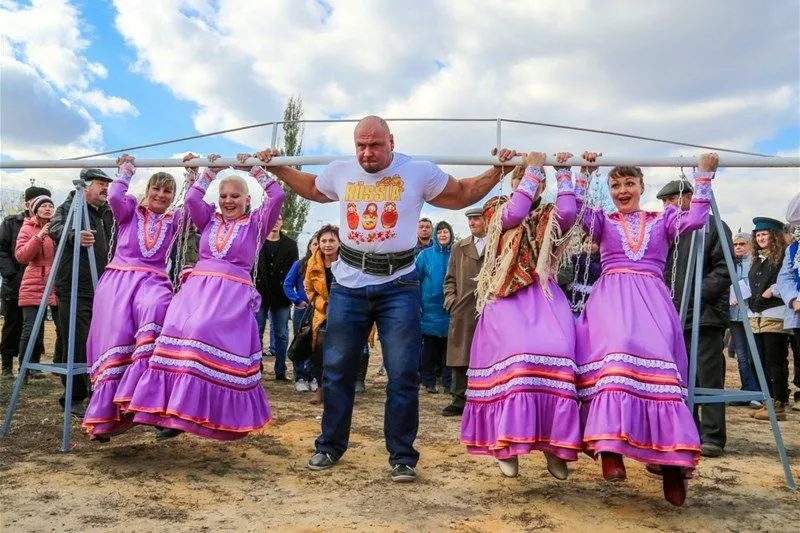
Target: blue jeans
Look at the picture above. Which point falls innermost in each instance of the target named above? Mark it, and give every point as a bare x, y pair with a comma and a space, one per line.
395, 308
747, 373
302, 371
279, 328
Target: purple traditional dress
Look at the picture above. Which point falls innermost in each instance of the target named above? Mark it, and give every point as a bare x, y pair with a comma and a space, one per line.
521, 393
129, 305
632, 363
204, 376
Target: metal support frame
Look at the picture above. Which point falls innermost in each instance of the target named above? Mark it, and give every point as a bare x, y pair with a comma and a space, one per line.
694, 268
77, 219
701, 395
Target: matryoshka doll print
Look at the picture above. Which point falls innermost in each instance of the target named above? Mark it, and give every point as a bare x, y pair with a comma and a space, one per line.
389, 215
352, 216
369, 218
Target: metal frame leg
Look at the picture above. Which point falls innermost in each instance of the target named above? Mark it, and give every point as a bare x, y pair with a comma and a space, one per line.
77, 225
700, 243
699, 395
687, 282
762, 379
76, 220
25, 366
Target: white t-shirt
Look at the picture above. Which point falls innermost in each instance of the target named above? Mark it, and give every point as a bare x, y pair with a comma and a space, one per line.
379, 212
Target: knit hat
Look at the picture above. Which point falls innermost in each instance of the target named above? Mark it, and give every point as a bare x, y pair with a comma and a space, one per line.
39, 201
33, 191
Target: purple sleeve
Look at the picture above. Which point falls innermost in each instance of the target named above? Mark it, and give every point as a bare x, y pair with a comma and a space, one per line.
521, 200
121, 203
566, 206
267, 214
696, 217
592, 220
199, 210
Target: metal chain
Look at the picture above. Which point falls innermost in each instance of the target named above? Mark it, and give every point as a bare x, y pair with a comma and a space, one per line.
260, 228
595, 205
676, 240
181, 235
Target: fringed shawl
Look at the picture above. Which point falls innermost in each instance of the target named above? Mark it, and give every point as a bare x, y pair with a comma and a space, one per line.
516, 257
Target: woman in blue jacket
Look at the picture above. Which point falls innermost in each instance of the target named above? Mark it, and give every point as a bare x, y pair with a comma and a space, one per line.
296, 292
788, 289
431, 269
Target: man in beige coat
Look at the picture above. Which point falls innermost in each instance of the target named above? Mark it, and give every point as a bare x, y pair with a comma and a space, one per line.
466, 259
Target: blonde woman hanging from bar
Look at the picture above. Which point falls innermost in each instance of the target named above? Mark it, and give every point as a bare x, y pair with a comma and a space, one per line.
204, 376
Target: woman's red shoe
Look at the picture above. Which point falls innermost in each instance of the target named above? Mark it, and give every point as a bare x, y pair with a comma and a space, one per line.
675, 485
613, 467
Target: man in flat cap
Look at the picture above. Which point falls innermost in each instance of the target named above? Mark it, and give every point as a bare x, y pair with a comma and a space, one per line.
465, 264
100, 237
11, 271
714, 313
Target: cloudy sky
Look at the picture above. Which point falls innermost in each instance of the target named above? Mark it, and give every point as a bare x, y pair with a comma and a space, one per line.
84, 76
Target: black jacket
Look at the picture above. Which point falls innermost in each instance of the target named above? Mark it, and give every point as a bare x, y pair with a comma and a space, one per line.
270, 276
714, 296
102, 222
762, 276
10, 268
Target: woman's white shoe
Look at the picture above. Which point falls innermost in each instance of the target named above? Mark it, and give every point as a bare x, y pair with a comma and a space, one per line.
509, 467
556, 466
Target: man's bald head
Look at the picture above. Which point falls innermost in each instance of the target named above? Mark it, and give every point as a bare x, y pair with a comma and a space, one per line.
374, 144
372, 122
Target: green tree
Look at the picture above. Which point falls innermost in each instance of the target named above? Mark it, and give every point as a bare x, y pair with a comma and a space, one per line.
295, 208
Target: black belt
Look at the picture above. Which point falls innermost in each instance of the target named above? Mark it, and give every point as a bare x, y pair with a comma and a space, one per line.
376, 264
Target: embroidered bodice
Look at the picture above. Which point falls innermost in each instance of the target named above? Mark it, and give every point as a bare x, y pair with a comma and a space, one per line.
641, 240
233, 241
143, 237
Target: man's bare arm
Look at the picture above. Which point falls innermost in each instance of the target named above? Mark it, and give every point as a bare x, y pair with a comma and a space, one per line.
462, 193
303, 183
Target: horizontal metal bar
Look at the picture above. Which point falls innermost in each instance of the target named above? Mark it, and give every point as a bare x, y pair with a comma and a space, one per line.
57, 368
731, 397
310, 160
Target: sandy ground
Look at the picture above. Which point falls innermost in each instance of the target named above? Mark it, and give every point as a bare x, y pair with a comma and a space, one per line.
261, 483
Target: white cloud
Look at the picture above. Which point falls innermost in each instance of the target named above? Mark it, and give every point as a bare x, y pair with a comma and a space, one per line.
33, 113
47, 34
685, 70
48, 82
108, 105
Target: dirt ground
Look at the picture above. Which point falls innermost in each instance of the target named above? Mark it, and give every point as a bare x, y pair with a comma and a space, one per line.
261, 483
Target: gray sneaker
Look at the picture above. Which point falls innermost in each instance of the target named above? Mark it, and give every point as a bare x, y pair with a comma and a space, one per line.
403, 474
360, 387
321, 461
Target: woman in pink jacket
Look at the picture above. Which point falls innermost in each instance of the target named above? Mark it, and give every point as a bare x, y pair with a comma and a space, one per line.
36, 249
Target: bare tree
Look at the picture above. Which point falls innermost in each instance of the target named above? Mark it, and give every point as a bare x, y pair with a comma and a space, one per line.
12, 201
